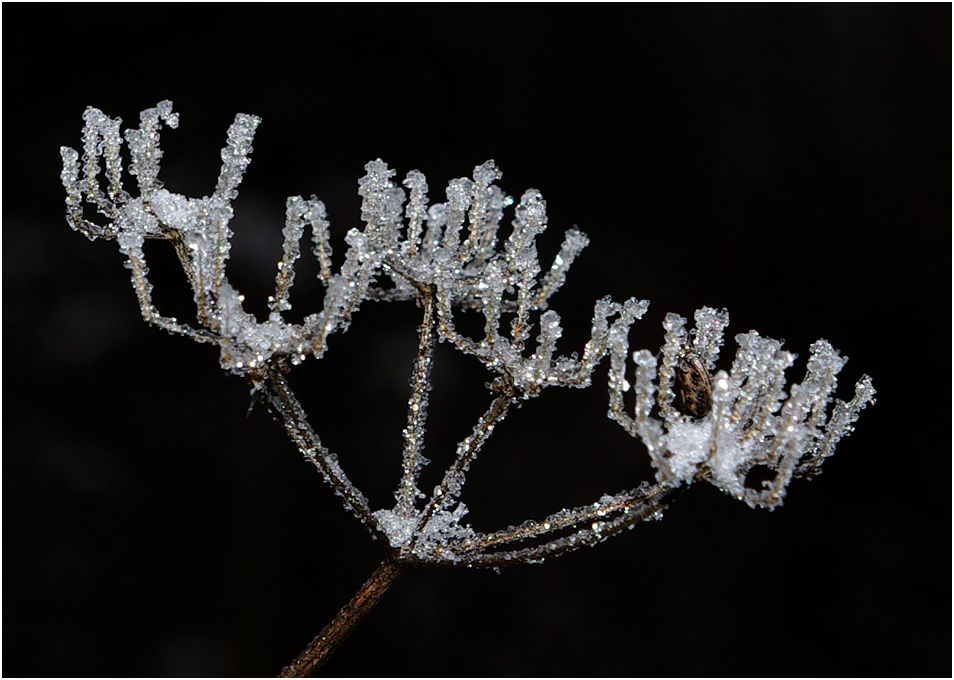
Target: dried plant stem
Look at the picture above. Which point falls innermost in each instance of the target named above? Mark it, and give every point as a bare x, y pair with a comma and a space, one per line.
286, 405
417, 404
466, 453
582, 538
641, 499
332, 635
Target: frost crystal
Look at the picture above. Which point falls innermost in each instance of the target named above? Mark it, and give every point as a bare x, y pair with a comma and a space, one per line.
452, 257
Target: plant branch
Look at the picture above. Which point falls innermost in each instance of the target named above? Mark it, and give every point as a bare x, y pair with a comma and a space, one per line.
467, 450
283, 400
581, 539
417, 405
332, 635
565, 519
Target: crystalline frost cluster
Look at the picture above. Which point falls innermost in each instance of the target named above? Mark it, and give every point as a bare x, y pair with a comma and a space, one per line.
451, 256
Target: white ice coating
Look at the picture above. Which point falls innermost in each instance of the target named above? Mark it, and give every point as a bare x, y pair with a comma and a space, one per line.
458, 255
752, 422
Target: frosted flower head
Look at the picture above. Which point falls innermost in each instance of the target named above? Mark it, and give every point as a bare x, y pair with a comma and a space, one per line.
454, 247
751, 421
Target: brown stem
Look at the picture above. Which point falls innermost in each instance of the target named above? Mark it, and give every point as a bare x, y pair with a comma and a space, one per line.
417, 405
290, 410
582, 539
465, 456
332, 635
552, 525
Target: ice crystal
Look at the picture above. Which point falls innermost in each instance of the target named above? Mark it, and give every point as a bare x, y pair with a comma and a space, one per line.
450, 256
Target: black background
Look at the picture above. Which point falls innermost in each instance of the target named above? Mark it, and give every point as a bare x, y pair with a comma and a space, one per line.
790, 163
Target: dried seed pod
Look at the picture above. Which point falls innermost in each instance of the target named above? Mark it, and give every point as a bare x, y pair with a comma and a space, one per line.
692, 386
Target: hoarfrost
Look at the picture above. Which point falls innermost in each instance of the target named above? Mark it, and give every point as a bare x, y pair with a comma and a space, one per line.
752, 420
451, 257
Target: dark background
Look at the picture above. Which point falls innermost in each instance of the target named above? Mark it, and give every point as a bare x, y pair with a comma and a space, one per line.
791, 163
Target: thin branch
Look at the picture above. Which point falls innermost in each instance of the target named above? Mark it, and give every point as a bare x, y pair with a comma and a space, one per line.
450, 487
445, 324
567, 518
332, 635
143, 289
193, 273
574, 241
346, 291
417, 405
581, 539
283, 400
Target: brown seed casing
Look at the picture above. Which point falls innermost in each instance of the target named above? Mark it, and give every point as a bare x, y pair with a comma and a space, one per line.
692, 387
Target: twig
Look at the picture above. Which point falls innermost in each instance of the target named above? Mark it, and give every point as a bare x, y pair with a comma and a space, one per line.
296, 424
560, 521
449, 488
580, 539
417, 405
332, 635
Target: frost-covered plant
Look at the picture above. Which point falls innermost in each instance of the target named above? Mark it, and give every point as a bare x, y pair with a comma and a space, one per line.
452, 256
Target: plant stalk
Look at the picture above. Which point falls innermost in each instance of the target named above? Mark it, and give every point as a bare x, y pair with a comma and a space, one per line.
332, 635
